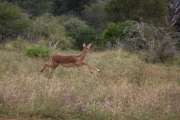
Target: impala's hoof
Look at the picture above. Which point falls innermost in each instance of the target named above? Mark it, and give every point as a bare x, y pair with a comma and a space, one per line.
99, 71
91, 72
40, 72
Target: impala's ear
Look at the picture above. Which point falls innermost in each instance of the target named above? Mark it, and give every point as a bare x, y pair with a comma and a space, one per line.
84, 45
89, 44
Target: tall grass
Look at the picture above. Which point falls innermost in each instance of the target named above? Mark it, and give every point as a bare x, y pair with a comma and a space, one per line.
126, 89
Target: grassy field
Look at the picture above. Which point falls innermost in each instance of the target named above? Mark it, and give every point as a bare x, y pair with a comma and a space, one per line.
126, 89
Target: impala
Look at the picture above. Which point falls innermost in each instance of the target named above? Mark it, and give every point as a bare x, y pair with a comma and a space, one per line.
70, 61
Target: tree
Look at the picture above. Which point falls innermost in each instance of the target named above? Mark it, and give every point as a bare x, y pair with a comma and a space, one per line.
149, 10
94, 16
12, 21
68, 6
46, 26
79, 31
34, 7
111, 33
174, 10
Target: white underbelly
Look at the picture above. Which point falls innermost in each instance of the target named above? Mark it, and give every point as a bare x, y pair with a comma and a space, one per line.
68, 65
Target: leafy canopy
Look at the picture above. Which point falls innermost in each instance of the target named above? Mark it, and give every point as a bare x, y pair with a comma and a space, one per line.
80, 32
148, 10
47, 26
12, 20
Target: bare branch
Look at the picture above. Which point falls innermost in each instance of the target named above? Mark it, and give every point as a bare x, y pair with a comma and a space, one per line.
53, 44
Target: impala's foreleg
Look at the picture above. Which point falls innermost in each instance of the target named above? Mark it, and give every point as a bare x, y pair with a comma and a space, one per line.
45, 65
84, 63
90, 66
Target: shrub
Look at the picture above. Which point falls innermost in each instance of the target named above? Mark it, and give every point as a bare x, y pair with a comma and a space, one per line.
111, 33
94, 17
36, 51
66, 44
13, 21
80, 32
46, 26
19, 45
82, 35
133, 36
73, 24
163, 52
114, 31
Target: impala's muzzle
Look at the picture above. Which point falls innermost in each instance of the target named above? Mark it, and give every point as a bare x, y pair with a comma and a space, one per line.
89, 50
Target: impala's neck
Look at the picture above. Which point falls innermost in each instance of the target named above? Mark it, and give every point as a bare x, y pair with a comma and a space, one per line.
82, 55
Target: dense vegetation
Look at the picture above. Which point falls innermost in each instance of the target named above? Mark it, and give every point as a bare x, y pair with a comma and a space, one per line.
137, 47
131, 25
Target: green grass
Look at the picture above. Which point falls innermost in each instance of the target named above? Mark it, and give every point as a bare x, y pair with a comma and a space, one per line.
126, 89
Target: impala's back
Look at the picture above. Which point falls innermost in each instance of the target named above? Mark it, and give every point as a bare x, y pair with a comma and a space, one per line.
64, 59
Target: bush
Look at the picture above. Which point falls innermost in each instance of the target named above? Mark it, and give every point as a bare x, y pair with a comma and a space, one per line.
94, 17
66, 44
153, 11
36, 51
46, 26
133, 36
111, 33
84, 35
73, 24
13, 21
120, 31
164, 52
80, 32
19, 45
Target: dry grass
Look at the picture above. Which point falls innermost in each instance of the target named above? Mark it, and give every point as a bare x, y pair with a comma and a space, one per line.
125, 89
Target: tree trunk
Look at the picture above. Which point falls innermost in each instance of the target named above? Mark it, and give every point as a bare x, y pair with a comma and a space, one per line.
3, 39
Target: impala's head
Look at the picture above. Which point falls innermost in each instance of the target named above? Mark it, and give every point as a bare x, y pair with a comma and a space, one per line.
87, 48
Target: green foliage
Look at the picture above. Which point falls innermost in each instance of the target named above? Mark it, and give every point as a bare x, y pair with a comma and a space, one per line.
134, 36
72, 24
47, 26
111, 32
150, 10
84, 35
36, 51
80, 32
12, 21
115, 31
154, 11
94, 16
34, 7
176, 60
43, 42
66, 44
19, 45
65, 6
125, 25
